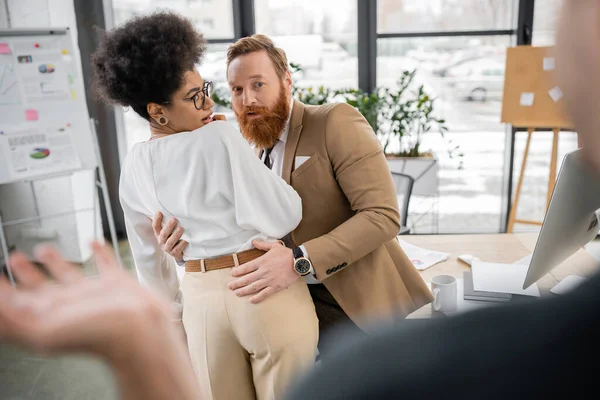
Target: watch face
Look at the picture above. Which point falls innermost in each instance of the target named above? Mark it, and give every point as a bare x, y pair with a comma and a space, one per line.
302, 266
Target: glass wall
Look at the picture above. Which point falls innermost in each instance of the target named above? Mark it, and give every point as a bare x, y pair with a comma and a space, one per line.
465, 75
319, 36
214, 18
535, 184
456, 49
403, 16
545, 18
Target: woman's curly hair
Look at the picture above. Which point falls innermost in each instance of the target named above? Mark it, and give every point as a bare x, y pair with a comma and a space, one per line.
145, 60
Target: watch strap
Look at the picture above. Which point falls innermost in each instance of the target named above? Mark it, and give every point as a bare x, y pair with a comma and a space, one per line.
297, 251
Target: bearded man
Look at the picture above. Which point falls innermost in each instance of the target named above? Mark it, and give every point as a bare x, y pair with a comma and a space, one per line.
346, 245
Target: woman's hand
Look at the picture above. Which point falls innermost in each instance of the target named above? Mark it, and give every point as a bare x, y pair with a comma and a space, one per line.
169, 237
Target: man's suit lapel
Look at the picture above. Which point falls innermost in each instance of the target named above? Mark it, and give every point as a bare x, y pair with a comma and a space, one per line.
292, 140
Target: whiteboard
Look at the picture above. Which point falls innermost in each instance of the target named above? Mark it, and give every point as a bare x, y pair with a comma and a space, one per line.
44, 120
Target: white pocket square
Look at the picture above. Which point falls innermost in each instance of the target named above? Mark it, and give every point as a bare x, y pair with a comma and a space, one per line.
301, 160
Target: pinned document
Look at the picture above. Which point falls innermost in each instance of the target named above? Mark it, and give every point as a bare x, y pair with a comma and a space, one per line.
4, 48
527, 99
31, 115
555, 93
548, 63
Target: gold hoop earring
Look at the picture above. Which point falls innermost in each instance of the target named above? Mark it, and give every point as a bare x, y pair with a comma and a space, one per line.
162, 120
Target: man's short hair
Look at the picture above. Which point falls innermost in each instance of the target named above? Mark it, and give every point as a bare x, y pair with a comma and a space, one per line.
256, 43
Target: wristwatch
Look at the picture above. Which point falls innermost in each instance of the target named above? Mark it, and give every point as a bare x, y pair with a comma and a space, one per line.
302, 265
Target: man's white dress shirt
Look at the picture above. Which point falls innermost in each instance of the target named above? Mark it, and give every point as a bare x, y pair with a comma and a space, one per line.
213, 183
276, 157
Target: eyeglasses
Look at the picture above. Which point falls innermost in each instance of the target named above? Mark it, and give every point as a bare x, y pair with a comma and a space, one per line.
199, 98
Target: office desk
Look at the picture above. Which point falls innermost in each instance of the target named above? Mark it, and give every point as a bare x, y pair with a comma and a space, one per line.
501, 248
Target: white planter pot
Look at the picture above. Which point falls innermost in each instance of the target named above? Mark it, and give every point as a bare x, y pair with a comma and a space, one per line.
424, 170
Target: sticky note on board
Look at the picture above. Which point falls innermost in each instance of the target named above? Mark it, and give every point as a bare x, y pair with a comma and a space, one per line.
73, 94
65, 52
4, 48
31, 115
548, 63
555, 93
527, 99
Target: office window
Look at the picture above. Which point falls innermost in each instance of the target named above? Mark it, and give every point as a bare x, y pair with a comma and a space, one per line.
320, 36
213, 18
545, 18
466, 76
532, 205
403, 16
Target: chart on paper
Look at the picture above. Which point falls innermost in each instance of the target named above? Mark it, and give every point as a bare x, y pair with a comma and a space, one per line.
10, 93
34, 147
44, 121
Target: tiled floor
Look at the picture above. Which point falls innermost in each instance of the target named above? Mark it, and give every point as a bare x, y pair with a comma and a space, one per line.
25, 376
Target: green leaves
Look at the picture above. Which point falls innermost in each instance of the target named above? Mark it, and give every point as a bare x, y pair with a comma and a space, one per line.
399, 116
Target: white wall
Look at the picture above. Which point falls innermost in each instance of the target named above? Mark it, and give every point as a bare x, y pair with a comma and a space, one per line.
73, 232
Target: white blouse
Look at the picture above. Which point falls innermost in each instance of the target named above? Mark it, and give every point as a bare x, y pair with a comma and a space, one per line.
214, 184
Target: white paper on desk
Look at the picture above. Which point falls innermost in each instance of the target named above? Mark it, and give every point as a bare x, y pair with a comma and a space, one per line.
503, 278
422, 258
525, 260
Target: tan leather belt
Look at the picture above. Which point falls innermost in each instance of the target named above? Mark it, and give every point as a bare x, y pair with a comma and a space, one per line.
228, 261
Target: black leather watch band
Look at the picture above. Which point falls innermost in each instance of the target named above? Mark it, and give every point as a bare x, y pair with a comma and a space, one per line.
297, 251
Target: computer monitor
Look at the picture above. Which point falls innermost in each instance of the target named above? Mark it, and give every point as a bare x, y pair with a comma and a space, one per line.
571, 219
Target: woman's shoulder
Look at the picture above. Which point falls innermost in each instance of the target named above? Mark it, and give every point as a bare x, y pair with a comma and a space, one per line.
219, 134
211, 138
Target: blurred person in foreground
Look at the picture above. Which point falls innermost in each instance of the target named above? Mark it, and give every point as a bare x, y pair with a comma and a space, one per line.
514, 351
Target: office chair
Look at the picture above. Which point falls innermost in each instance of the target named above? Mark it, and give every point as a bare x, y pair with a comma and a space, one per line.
404, 185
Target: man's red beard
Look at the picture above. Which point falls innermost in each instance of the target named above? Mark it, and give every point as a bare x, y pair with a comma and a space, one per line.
263, 132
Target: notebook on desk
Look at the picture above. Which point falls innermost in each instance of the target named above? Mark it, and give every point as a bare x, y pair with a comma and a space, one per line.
471, 294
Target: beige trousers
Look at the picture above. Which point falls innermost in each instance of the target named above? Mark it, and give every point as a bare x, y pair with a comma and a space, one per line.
244, 351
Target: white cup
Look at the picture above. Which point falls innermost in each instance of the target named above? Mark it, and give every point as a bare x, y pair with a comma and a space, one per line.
444, 290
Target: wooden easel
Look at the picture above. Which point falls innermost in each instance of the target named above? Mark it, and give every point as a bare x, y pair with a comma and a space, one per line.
512, 219
530, 70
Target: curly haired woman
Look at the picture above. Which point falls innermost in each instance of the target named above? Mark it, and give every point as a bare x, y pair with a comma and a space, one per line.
204, 173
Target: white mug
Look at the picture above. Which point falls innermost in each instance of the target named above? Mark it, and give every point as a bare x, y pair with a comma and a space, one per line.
444, 290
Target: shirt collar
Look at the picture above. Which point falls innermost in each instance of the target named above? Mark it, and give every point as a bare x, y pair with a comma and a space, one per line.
284, 133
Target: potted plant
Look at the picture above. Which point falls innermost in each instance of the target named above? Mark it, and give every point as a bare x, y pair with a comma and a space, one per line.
400, 117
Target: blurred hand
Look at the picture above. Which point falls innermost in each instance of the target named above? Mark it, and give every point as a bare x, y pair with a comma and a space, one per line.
169, 236
102, 315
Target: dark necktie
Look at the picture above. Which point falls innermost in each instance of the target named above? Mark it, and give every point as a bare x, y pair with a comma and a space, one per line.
268, 158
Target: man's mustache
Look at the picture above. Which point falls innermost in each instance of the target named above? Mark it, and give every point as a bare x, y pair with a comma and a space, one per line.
256, 110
